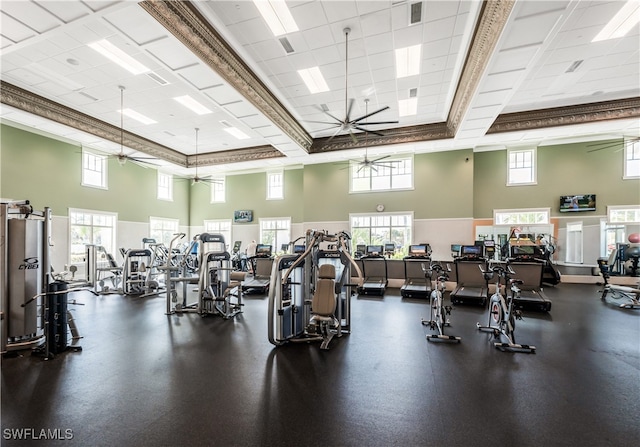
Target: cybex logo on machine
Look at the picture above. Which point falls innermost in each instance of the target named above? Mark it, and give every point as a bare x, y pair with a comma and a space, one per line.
29, 264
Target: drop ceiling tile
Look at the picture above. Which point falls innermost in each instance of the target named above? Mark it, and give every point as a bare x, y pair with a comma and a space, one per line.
30, 14
66, 11
308, 15
97, 5
14, 30
327, 55
200, 76
379, 43
241, 109
223, 94
251, 31
269, 49
318, 37
136, 24
170, 53
439, 29
375, 23
340, 11
382, 60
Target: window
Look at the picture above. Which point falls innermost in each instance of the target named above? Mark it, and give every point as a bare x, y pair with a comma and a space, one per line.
222, 226
275, 232
632, 159
574, 243
397, 174
613, 235
90, 227
521, 217
94, 169
522, 167
165, 186
218, 189
623, 214
275, 185
162, 230
380, 229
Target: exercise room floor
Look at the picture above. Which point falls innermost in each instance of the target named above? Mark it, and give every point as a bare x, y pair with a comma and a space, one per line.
145, 379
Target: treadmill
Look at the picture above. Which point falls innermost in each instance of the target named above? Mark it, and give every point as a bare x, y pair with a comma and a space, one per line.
531, 272
472, 287
261, 263
374, 269
416, 284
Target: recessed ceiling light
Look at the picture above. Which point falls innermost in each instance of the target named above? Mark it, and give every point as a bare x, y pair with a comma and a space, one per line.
621, 23
408, 107
138, 116
192, 104
240, 135
277, 15
314, 80
408, 61
115, 54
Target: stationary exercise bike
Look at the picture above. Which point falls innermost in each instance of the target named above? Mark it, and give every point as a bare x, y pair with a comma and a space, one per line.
619, 296
502, 315
439, 311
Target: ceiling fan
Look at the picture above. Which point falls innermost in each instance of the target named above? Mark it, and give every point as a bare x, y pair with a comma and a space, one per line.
121, 156
366, 162
350, 124
603, 145
196, 178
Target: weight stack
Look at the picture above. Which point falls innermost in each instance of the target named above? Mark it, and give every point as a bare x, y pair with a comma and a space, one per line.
57, 317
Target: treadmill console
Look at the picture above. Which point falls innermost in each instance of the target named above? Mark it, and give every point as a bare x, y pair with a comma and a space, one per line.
419, 251
263, 251
455, 250
526, 252
389, 249
470, 252
489, 248
374, 250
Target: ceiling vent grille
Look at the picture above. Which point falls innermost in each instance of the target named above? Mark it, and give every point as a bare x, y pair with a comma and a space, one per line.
413, 92
286, 45
225, 123
88, 96
573, 67
159, 79
415, 15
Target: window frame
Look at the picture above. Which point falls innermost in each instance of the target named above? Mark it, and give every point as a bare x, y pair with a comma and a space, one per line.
169, 188
261, 223
270, 192
628, 210
633, 147
218, 187
354, 166
534, 166
174, 230
207, 228
93, 213
407, 214
104, 184
522, 212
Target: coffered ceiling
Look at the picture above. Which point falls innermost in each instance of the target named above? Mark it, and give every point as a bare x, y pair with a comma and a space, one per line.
491, 75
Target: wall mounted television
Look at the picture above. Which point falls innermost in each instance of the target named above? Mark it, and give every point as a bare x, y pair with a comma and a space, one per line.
585, 202
242, 216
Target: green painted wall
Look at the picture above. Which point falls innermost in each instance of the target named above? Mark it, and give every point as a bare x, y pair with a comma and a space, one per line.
562, 170
443, 188
249, 192
48, 173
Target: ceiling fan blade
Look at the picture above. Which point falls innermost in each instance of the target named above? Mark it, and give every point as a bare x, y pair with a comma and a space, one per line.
333, 136
370, 114
378, 122
369, 131
349, 109
328, 128
353, 137
321, 122
337, 120
381, 158
373, 168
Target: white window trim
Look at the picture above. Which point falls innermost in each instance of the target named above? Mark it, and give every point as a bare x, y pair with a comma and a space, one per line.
268, 219
268, 174
167, 199
353, 164
215, 179
627, 146
612, 208
85, 211
105, 165
228, 221
394, 213
522, 211
534, 162
164, 219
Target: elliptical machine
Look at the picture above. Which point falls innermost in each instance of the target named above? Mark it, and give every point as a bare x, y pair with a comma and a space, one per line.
502, 315
439, 311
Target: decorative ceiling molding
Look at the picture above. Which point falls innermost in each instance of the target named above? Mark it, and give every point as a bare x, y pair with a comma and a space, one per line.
408, 134
233, 156
30, 102
494, 15
186, 23
563, 116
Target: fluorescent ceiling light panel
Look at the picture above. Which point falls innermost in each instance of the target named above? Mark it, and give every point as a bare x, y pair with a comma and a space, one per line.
240, 135
408, 61
192, 104
115, 54
407, 107
621, 23
137, 116
277, 15
314, 80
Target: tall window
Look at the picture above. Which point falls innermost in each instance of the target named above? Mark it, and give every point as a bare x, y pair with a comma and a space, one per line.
395, 173
632, 159
218, 189
521, 167
90, 227
165, 186
162, 230
380, 229
221, 226
275, 185
574, 242
94, 169
530, 216
614, 234
275, 232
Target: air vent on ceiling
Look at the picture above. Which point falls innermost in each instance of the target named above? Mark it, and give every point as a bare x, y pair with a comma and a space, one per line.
415, 15
574, 66
324, 107
86, 95
159, 79
413, 92
286, 45
225, 123
169, 133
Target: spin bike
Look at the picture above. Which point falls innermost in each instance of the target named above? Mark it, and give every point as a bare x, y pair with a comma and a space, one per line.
502, 315
439, 311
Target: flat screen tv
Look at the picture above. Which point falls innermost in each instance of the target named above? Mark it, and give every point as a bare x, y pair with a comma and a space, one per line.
586, 202
242, 216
